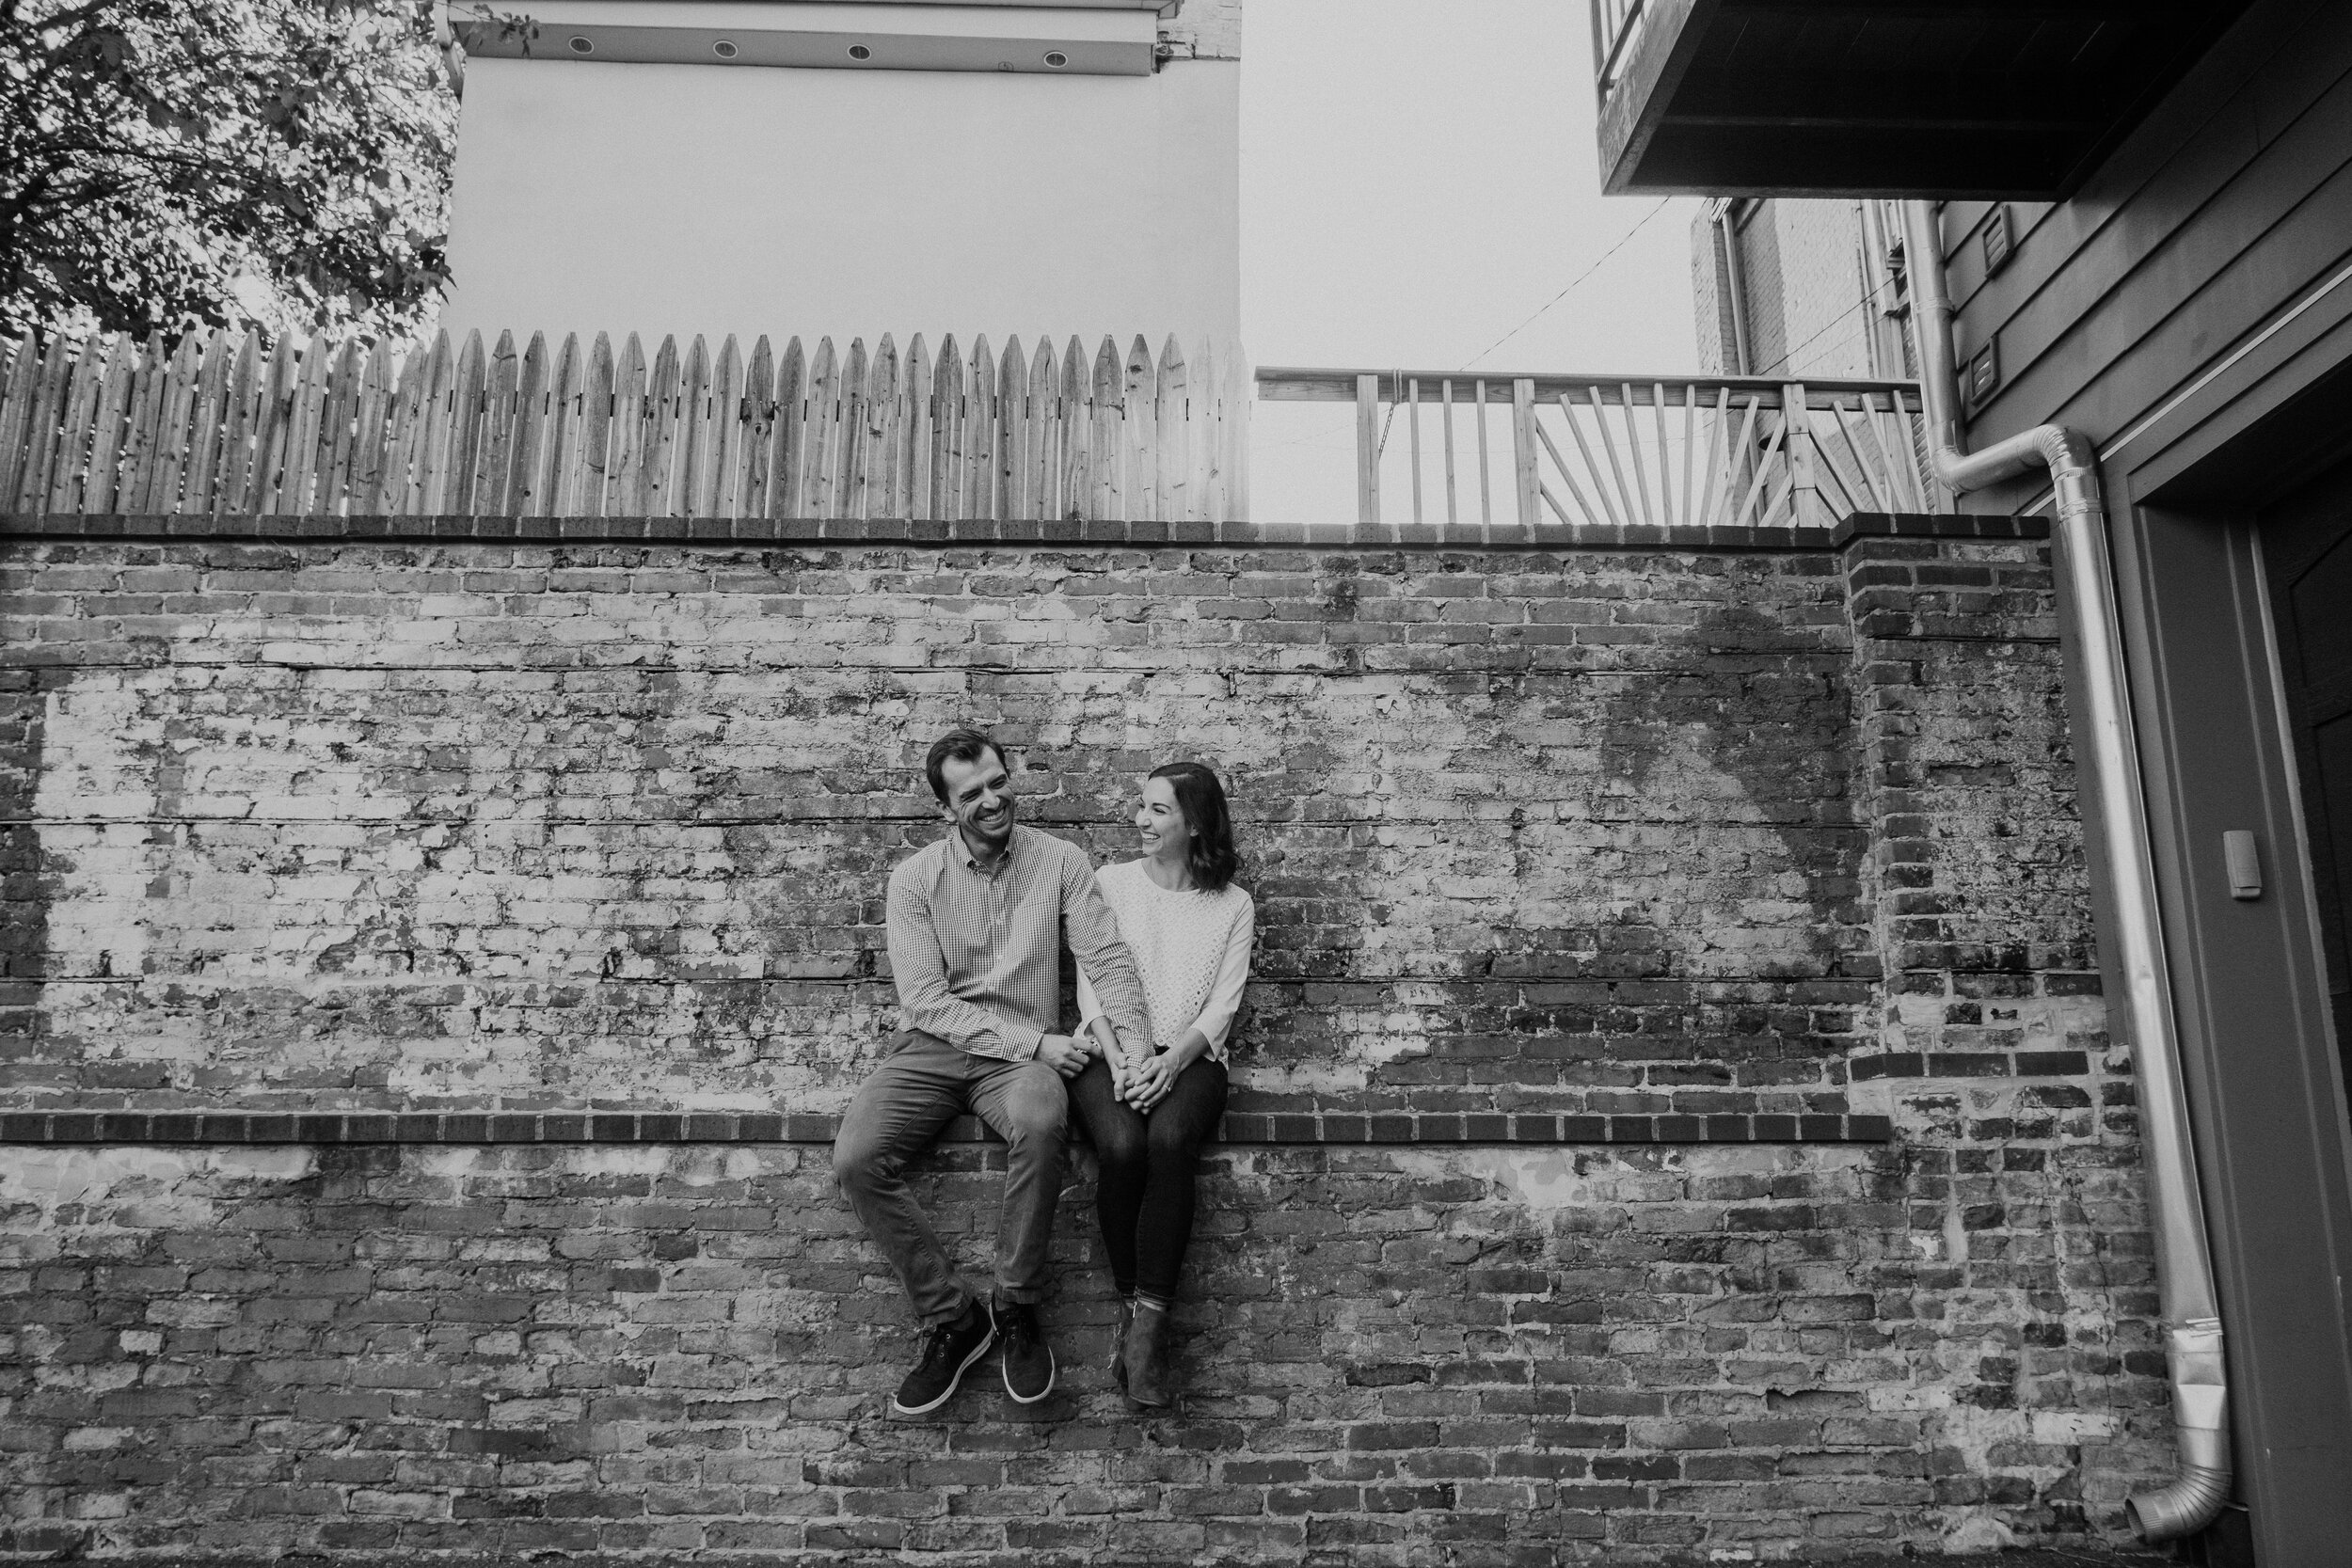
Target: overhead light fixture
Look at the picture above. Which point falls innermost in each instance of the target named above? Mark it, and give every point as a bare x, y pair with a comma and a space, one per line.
582, 46
1056, 58
724, 49
859, 51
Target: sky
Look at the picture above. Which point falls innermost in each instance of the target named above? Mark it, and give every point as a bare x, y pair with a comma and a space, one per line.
1419, 179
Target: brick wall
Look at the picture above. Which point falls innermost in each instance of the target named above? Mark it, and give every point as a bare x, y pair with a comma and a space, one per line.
371, 827
1651, 829
1806, 273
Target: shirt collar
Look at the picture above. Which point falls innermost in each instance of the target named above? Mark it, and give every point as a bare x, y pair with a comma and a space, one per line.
962, 851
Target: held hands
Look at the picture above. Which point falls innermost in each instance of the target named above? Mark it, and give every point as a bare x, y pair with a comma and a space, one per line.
1140, 1080
1101, 1040
1149, 1083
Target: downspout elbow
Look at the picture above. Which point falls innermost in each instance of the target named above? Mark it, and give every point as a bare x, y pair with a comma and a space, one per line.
2201, 1419
2193, 1345
2073, 473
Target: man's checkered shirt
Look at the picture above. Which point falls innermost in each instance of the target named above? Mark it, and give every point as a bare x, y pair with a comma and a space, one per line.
977, 954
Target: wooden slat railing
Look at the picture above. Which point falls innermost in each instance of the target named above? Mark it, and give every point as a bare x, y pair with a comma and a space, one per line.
232, 425
1612, 450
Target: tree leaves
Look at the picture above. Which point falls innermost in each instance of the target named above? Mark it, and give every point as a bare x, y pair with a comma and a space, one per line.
166, 163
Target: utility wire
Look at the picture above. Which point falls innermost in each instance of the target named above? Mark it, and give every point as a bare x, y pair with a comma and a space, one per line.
1572, 286
1835, 322
1398, 377
1399, 383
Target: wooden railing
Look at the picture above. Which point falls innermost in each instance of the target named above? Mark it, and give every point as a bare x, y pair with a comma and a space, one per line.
231, 425
1610, 450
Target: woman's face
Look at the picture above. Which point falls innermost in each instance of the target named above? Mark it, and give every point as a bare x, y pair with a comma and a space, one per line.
1160, 825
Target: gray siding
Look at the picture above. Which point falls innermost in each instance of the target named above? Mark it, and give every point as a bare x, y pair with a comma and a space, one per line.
2232, 201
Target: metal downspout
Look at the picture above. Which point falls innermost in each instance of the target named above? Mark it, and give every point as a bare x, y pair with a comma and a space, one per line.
1735, 289
2183, 1265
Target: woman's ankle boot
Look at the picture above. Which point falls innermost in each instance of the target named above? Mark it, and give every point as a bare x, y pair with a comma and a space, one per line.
1146, 1352
1119, 1341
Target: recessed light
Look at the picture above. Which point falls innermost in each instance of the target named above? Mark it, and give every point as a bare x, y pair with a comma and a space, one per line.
584, 46
1056, 58
724, 49
859, 51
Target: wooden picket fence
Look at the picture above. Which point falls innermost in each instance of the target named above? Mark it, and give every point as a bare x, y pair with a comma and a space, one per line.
230, 425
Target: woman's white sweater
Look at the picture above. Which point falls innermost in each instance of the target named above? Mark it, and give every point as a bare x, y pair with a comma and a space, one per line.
1191, 948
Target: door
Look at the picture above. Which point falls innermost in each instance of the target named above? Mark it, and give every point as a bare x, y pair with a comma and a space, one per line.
2219, 750
2307, 551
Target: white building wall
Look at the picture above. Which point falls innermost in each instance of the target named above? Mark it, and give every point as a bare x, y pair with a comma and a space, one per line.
657, 198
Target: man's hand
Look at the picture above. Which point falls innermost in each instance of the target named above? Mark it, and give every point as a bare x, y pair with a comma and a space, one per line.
1062, 1053
1100, 1039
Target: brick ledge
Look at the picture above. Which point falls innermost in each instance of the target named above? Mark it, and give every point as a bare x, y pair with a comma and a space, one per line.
1049, 531
242, 1128
1970, 1064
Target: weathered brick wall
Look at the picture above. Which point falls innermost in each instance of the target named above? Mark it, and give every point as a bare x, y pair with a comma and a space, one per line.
1681, 829
358, 825
2018, 1114
1482, 1355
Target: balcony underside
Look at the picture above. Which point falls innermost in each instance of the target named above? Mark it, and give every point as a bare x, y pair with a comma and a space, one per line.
1971, 98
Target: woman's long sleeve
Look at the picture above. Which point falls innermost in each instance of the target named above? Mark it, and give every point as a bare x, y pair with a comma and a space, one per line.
1233, 974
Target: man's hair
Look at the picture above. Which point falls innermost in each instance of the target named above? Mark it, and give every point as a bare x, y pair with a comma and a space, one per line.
961, 745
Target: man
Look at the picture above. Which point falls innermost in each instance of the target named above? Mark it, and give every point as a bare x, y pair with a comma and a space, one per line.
976, 923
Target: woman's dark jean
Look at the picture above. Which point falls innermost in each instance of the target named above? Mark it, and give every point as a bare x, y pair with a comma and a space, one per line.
1144, 1194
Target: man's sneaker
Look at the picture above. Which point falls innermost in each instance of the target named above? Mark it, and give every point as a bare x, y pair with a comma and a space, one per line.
1028, 1361
948, 1350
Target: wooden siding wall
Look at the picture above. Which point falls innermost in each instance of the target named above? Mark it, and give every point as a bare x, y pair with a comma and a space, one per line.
2232, 199
2224, 215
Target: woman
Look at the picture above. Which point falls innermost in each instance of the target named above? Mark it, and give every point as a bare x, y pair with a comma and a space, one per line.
1189, 929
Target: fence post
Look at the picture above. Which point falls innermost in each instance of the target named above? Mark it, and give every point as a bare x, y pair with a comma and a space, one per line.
1804, 485
1368, 451
1523, 448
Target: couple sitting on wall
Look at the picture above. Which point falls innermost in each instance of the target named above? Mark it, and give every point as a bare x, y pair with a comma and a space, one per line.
976, 925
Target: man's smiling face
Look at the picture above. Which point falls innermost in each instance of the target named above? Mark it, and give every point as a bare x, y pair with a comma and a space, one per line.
979, 799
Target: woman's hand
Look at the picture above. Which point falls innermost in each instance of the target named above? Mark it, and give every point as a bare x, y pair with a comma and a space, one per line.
1158, 1077
1095, 1035
1100, 1039
1151, 1083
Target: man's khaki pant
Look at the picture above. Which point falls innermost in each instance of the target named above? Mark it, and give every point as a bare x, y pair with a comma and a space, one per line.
899, 1110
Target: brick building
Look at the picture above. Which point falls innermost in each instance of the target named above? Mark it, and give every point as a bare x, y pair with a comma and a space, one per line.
443, 959
1799, 288
1679, 1111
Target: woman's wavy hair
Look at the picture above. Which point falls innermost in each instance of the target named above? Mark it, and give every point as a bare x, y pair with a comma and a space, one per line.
1211, 859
